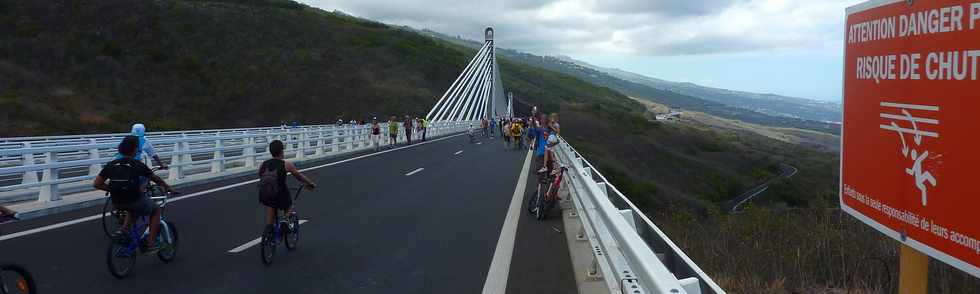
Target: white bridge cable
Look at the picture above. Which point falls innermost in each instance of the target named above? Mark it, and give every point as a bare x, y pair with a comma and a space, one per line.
458, 78
454, 99
454, 90
476, 98
488, 89
467, 92
482, 112
477, 94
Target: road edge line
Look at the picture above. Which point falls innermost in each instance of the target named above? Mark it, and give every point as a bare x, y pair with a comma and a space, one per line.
496, 282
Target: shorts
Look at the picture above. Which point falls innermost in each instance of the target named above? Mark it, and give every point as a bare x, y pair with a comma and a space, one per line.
283, 202
143, 207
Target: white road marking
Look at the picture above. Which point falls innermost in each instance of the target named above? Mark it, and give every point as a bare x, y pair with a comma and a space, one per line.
458, 152
192, 195
414, 171
249, 244
500, 266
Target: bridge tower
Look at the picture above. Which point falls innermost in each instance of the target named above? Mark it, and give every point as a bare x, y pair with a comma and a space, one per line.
477, 92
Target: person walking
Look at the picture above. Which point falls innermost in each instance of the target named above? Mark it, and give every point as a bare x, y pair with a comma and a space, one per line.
493, 125
505, 132
408, 130
376, 134
425, 126
392, 131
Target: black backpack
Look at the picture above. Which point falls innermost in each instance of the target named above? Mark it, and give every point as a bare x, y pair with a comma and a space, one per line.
124, 183
268, 184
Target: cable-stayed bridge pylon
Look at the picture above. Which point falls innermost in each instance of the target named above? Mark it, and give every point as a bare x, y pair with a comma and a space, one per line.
477, 92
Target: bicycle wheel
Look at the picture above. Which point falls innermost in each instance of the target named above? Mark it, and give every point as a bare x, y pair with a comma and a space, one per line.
539, 206
291, 231
15, 279
110, 220
168, 250
268, 247
121, 258
531, 203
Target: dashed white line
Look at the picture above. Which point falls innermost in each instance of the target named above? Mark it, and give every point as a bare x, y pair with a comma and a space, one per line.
458, 152
414, 171
249, 244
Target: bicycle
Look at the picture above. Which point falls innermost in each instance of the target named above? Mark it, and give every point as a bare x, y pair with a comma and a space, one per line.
472, 135
15, 279
539, 206
286, 227
112, 218
123, 250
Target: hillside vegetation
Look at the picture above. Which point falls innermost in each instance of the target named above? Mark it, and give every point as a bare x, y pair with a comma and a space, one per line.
84, 66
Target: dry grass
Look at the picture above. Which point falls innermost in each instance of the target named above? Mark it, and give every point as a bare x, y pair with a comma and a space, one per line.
797, 251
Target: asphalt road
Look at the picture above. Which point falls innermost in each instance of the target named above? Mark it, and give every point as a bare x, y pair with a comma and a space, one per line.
424, 219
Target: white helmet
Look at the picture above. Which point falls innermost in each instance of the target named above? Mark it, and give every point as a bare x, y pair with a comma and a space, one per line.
138, 130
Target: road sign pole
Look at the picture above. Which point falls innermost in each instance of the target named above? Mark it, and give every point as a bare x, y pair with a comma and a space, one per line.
913, 276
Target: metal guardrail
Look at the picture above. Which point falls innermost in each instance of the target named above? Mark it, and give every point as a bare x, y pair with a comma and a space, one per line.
72, 160
631, 254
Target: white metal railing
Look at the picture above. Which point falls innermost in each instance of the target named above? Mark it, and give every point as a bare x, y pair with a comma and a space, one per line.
631, 254
66, 163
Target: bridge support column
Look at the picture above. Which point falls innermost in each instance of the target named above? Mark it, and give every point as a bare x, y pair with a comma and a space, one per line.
176, 167
30, 176
352, 138
49, 192
93, 154
319, 142
218, 162
188, 157
249, 152
301, 145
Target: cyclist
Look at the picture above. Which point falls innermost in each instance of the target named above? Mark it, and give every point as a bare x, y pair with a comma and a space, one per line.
549, 152
139, 131
273, 172
127, 179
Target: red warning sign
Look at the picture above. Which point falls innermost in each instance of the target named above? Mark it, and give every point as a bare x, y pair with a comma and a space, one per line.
910, 156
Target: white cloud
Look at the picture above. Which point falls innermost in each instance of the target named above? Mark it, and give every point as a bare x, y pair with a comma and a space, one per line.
631, 27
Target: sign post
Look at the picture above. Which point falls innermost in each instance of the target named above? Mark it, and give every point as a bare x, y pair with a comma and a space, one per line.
910, 145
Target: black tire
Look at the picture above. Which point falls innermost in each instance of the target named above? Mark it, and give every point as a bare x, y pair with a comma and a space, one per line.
267, 248
15, 279
540, 207
168, 252
120, 266
291, 232
109, 224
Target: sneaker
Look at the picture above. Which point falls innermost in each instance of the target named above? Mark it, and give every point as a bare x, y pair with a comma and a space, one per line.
147, 249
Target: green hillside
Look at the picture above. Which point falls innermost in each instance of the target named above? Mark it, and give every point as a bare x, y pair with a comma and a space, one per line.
84, 66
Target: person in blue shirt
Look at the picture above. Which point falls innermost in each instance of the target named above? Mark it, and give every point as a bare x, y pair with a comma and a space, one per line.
144, 145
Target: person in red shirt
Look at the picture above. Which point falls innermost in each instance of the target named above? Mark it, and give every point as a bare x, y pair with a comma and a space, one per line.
408, 129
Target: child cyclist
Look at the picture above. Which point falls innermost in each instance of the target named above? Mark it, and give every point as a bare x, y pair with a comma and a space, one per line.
272, 179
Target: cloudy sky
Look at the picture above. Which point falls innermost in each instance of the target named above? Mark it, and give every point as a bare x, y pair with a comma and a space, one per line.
788, 47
